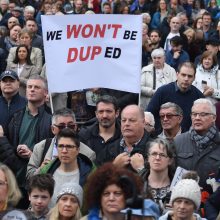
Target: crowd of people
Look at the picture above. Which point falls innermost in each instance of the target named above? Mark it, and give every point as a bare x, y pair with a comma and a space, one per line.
100, 153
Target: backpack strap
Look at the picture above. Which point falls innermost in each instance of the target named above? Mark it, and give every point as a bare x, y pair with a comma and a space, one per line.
46, 147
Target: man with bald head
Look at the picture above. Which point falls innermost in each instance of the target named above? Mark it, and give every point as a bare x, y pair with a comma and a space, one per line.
175, 30
133, 140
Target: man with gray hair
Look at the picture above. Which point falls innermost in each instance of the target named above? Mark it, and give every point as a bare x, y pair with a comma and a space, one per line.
27, 127
155, 75
171, 116
199, 148
46, 150
181, 92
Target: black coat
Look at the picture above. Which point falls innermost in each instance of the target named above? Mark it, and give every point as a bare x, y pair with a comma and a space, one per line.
90, 136
114, 149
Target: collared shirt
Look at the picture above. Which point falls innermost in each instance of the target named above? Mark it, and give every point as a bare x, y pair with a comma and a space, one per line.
177, 88
163, 135
28, 129
124, 146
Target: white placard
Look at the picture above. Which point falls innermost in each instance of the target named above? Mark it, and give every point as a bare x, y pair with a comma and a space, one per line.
93, 51
177, 176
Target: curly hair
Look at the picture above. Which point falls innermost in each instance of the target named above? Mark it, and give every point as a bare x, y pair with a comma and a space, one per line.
106, 175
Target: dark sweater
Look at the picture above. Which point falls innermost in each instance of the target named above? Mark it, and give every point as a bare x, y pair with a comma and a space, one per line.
170, 93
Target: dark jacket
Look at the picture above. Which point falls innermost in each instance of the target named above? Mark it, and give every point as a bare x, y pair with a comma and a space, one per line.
84, 163
114, 149
212, 206
123, 98
9, 156
9, 146
90, 136
205, 163
42, 132
171, 93
8, 109
184, 57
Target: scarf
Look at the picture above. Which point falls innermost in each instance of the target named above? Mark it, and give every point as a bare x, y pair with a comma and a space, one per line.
9, 43
202, 142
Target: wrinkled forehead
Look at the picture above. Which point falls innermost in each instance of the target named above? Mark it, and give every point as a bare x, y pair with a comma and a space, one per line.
35, 82
201, 107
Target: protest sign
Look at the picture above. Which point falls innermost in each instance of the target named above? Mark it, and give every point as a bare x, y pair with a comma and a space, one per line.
92, 51
178, 176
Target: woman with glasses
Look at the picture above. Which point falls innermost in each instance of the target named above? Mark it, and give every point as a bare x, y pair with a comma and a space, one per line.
9, 191
70, 165
158, 170
159, 15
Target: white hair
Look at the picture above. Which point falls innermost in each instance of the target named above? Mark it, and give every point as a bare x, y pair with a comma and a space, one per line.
146, 15
4, 1
29, 8
208, 102
151, 117
158, 52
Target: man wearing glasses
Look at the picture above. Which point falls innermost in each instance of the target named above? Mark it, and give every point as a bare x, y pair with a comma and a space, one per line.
171, 116
199, 148
181, 92
70, 166
46, 150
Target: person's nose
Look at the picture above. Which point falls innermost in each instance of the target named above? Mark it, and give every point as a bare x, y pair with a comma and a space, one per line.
64, 149
104, 114
111, 196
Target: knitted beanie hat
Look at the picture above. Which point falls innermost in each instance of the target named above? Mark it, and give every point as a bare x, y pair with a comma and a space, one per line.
187, 189
71, 189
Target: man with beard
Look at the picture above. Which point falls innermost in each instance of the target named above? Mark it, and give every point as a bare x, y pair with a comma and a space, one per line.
106, 128
155, 39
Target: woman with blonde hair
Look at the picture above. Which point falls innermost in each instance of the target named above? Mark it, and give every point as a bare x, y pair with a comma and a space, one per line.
9, 191
69, 201
192, 48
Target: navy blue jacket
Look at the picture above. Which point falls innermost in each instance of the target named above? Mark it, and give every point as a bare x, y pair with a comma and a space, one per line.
176, 62
171, 93
212, 207
8, 109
